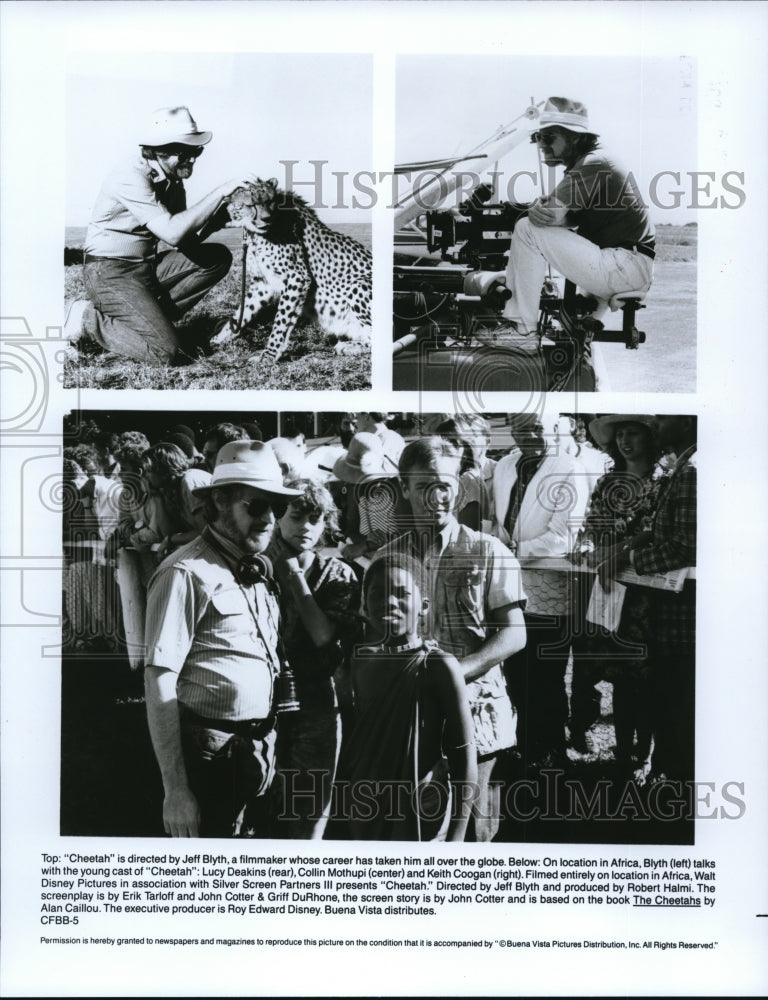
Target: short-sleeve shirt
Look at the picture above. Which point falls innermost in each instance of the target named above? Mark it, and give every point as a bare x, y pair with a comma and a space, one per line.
604, 203
470, 575
133, 194
218, 636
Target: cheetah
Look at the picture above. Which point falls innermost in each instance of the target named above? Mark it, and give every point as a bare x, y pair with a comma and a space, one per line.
290, 253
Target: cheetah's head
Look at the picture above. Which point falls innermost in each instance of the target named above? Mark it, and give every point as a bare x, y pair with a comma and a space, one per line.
252, 206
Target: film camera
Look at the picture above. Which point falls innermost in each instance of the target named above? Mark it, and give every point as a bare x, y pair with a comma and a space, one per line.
445, 302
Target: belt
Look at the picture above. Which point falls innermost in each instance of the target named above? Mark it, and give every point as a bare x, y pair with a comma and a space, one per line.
89, 258
252, 729
646, 249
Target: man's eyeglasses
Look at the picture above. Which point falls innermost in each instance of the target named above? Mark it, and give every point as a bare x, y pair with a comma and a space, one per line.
545, 137
181, 152
258, 506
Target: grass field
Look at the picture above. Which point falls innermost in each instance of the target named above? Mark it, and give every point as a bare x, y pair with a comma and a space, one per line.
311, 362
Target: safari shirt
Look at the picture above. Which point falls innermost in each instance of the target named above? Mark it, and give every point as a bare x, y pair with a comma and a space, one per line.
133, 194
201, 624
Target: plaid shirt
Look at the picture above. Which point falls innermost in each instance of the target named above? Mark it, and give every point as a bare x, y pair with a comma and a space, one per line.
673, 546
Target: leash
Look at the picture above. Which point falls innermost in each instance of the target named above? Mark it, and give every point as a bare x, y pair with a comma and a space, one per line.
244, 255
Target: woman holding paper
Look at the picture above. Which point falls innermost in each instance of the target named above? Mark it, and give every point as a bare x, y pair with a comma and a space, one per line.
619, 513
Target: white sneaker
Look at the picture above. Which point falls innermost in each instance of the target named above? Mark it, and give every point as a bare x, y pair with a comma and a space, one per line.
74, 324
509, 336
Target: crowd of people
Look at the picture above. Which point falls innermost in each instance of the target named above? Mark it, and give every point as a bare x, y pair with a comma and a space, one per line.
343, 638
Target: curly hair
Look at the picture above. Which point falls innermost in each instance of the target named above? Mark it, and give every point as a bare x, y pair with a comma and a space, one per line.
131, 448
393, 560
85, 455
133, 439
315, 499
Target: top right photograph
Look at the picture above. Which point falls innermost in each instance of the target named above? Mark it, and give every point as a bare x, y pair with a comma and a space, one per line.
546, 224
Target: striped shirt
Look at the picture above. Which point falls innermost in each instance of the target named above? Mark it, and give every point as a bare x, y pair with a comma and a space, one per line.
218, 636
132, 195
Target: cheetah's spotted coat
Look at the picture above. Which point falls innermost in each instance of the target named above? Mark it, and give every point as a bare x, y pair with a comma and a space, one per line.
290, 252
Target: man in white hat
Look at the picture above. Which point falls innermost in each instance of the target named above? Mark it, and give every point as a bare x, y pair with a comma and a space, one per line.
213, 653
135, 293
593, 229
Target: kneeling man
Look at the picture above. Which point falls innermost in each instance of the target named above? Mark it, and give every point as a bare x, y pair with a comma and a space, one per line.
135, 293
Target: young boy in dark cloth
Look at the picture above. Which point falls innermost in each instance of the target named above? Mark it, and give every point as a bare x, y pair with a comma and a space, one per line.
409, 769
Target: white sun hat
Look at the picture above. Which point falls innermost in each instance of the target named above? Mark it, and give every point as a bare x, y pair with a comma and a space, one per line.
248, 463
169, 125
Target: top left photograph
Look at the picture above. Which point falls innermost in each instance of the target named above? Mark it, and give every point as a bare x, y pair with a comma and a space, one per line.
216, 233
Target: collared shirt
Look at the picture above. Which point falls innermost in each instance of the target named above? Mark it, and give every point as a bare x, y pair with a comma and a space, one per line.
550, 513
133, 195
220, 637
469, 575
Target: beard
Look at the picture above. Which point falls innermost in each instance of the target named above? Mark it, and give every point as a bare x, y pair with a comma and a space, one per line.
251, 540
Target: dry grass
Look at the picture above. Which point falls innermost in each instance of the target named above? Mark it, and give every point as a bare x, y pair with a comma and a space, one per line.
310, 363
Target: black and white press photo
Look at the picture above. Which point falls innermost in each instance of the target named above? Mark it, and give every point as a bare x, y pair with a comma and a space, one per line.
379, 626
212, 240
461, 694
546, 222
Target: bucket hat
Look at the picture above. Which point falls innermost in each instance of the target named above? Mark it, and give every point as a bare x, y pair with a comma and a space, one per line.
248, 463
169, 125
364, 458
565, 113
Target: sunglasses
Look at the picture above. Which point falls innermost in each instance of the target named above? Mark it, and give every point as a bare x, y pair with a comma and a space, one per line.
545, 137
181, 152
258, 506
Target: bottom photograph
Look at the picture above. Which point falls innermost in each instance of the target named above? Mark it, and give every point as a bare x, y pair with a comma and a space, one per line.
379, 626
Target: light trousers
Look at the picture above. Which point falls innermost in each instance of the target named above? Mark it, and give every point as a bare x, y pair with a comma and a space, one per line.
601, 273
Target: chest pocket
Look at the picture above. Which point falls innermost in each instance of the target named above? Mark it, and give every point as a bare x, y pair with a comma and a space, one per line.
229, 610
464, 589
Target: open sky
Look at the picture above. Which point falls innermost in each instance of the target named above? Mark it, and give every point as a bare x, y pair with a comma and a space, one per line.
644, 109
262, 108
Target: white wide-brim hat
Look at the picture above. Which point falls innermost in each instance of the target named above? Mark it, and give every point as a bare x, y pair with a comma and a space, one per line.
603, 429
248, 463
565, 113
169, 125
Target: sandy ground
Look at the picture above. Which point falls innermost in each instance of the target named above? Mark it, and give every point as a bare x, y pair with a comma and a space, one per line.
666, 362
